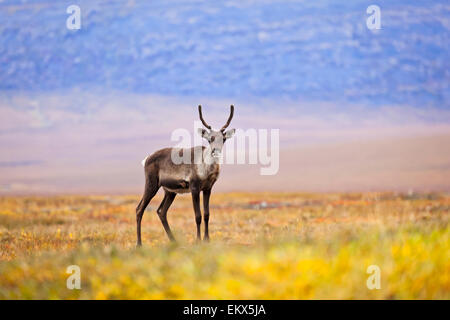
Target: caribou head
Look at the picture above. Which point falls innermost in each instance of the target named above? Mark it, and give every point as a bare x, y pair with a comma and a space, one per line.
216, 139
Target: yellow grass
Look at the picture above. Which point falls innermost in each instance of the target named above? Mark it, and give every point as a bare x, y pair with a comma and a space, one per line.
298, 246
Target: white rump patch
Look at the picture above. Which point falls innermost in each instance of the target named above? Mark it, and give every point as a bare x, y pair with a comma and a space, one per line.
143, 161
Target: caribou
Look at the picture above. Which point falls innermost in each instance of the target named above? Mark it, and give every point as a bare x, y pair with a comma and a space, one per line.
196, 175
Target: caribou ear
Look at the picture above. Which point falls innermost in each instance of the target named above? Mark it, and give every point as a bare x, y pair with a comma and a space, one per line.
203, 133
228, 134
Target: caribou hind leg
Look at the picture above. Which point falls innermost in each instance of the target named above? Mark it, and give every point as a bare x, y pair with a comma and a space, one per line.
151, 188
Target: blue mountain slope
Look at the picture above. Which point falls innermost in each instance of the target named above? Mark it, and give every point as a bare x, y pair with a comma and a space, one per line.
309, 50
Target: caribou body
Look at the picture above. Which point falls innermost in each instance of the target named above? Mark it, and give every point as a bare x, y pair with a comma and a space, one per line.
197, 172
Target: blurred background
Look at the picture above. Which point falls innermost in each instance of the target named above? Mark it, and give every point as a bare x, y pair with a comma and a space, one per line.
357, 109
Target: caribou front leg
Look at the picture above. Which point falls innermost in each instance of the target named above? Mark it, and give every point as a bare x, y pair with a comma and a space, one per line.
198, 214
206, 195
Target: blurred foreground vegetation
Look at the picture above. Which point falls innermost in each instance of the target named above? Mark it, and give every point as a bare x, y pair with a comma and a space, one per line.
264, 246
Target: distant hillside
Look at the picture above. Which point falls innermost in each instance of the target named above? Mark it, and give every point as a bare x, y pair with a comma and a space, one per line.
310, 50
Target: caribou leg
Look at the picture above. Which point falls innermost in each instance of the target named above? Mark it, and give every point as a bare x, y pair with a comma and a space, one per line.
206, 195
162, 212
151, 188
198, 214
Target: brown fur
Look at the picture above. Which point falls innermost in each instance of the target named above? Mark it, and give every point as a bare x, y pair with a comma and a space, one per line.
160, 171
181, 176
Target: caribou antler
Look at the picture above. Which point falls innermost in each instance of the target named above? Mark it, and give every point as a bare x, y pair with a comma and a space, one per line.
201, 117
229, 118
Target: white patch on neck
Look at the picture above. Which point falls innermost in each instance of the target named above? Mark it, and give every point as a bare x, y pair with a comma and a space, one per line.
208, 161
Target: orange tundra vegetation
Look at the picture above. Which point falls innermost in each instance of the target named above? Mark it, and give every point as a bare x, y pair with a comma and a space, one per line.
263, 246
